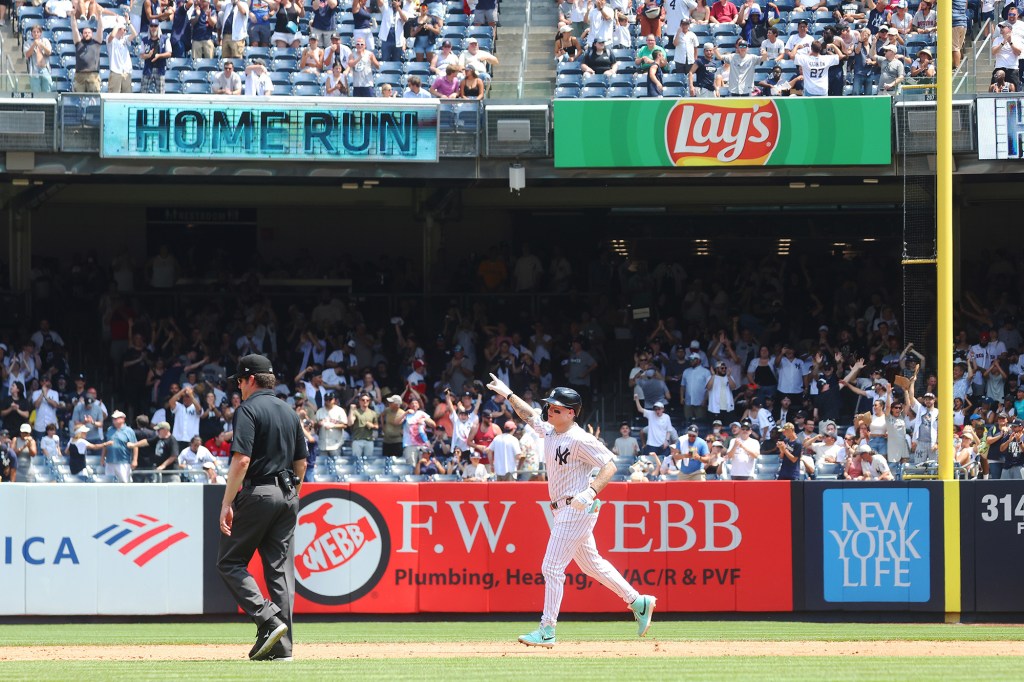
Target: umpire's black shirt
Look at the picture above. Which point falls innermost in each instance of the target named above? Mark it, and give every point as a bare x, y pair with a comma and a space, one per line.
267, 430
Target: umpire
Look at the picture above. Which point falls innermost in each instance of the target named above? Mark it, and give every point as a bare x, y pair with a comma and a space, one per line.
261, 502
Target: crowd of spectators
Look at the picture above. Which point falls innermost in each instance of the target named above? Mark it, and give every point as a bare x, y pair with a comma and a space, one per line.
688, 48
759, 361
332, 48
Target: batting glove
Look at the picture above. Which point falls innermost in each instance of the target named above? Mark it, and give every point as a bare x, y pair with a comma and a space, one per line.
499, 387
584, 500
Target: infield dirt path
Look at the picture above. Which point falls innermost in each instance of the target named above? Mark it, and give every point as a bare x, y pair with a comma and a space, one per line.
612, 649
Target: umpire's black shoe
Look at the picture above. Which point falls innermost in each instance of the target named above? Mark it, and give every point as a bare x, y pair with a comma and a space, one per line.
267, 636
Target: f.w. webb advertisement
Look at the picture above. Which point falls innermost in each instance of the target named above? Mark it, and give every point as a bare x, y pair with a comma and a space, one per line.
395, 548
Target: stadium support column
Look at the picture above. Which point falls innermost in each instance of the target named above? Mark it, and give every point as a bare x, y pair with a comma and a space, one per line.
944, 303
19, 245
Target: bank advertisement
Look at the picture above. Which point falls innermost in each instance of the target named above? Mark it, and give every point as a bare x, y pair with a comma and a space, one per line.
442, 547
286, 128
656, 133
83, 550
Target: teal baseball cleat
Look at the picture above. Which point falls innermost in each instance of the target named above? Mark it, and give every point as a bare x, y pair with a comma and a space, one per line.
543, 636
643, 610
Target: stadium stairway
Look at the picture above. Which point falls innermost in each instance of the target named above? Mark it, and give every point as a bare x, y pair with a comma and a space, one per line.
527, 28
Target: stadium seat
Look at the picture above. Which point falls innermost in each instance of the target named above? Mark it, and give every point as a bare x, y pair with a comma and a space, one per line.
206, 65
306, 90
619, 93
567, 92
391, 67
178, 63
303, 78
725, 29
568, 67
468, 119
827, 471
421, 69
594, 91
260, 52
640, 91
595, 79
622, 54
573, 79
675, 91
196, 88
191, 76
620, 81
282, 80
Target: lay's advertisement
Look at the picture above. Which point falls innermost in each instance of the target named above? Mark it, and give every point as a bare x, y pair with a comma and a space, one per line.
657, 133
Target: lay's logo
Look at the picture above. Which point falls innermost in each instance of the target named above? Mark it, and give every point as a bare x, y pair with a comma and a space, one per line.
732, 132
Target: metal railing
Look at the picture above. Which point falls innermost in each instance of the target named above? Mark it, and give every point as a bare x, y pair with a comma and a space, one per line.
966, 78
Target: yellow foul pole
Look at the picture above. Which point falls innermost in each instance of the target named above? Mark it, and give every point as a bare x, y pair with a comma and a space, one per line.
944, 298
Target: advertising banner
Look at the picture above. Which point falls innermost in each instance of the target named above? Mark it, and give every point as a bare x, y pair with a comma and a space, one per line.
441, 547
992, 524
1000, 127
247, 128
873, 546
80, 550
653, 133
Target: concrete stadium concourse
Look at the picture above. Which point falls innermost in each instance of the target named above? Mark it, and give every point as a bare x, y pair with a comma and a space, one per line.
435, 224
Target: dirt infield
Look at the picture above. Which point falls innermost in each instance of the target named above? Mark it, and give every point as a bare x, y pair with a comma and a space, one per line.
609, 649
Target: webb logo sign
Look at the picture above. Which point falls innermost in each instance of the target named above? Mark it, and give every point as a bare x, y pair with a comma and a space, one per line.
876, 545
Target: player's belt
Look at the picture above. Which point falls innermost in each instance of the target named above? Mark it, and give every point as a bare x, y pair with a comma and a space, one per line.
559, 503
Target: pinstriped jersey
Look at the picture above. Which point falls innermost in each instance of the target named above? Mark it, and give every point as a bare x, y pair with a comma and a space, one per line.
569, 458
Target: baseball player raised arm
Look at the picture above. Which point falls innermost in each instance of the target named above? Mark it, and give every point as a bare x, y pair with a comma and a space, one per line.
525, 412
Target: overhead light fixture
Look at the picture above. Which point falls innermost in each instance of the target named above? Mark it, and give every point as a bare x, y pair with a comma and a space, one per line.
798, 185
350, 185
870, 181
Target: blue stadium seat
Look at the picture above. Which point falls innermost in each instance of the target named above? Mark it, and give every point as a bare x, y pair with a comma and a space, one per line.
487, 44
593, 91
261, 52
391, 67
293, 53
620, 80
456, 20
282, 80
640, 91
569, 79
190, 76
675, 80
795, 17
619, 93
725, 41
725, 29
26, 24
622, 54
418, 68
595, 79
568, 67
453, 33
306, 90
283, 64
468, 119
303, 78
481, 33
178, 63
675, 92
446, 119
567, 92
58, 22
701, 31
381, 78
206, 64
196, 88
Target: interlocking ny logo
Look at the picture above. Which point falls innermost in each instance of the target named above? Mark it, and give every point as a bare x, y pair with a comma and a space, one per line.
562, 455
142, 538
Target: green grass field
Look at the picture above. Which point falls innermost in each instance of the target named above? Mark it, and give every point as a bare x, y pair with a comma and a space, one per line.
541, 667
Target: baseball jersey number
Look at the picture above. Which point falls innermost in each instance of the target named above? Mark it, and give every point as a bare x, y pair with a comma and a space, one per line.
816, 73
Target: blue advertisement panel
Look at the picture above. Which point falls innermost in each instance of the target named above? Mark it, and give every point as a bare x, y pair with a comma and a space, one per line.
876, 545
873, 547
251, 128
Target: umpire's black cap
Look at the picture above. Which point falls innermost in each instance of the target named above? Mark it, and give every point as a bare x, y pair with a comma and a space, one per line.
565, 397
252, 364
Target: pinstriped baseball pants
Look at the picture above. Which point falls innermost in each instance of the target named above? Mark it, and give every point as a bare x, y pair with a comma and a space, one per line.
572, 537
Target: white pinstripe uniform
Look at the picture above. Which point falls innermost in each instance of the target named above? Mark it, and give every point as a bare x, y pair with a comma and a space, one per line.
569, 458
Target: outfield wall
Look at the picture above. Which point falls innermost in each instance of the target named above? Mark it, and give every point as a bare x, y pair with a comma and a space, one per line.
444, 547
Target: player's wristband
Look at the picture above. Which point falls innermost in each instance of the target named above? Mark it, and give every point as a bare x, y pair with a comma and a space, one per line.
595, 491
510, 396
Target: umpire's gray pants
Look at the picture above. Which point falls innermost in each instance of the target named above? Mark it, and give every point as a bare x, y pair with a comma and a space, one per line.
265, 520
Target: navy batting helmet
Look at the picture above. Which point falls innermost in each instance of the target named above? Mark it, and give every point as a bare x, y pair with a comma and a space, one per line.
564, 397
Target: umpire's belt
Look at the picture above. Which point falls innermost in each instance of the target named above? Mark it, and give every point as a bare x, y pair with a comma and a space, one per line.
559, 503
272, 479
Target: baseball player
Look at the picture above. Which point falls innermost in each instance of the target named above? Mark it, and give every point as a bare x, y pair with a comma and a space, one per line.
570, 454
